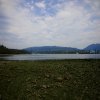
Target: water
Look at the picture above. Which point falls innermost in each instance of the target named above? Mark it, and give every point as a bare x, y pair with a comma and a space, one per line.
49, 56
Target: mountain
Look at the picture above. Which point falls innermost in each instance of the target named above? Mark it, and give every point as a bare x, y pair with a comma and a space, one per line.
58, 49
5, 50
93, 47
51, 49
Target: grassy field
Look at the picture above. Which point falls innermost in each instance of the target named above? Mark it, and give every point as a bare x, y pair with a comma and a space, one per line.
50, 80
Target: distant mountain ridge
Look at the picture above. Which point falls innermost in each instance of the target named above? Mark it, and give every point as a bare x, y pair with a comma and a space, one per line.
93, 47
50, 49
58, 49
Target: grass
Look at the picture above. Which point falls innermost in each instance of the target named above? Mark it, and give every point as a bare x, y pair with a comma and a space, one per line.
50, 80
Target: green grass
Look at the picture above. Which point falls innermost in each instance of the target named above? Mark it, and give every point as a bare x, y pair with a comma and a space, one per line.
50, 80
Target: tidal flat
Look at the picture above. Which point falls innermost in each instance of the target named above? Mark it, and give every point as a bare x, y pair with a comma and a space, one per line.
50, 80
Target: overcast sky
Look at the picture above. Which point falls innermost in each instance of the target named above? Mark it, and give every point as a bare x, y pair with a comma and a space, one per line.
71, 23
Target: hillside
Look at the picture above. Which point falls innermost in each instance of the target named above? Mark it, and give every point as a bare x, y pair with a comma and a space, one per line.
51, 49
58, 49
5, 50
93, 47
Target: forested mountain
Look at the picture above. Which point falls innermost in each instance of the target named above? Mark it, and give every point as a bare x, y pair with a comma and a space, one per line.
5, 50
51, 49
93, 47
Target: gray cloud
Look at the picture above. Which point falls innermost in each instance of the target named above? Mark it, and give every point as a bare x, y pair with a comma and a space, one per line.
3, 20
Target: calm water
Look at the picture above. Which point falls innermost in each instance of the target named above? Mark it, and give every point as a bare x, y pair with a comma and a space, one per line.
49, 56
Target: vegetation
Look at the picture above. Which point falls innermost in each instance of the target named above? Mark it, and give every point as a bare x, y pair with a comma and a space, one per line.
50, 80
4, 50
67, 52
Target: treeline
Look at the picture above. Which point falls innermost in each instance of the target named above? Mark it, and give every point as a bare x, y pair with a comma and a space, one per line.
67, 52
54, 52
5, 50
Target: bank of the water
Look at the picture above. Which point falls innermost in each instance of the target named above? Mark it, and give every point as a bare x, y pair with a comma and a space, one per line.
50, 80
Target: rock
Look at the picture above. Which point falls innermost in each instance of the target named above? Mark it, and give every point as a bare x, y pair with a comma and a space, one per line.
44, 86
34, 81
47, 76
35, 85
39, 77
48, 86
39, 95
58, 85
59, 79
28, 91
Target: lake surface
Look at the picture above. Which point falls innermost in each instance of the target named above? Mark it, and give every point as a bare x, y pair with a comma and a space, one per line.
49, 56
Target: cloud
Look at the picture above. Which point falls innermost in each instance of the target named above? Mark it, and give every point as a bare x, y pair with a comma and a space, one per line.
70, 25
41, 4
95, 4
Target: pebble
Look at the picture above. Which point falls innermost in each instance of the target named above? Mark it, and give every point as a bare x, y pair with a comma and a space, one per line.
59, 79
47, 76
44, 86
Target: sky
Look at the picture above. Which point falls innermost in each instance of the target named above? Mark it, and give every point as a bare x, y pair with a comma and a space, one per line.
68, 23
